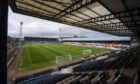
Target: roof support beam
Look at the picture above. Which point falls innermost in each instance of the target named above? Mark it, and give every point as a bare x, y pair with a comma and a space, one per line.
124, 4
114, 30
123, 14
105, 5
59, 2
40, 9
56, 8
28, 4
75, 6
116, 27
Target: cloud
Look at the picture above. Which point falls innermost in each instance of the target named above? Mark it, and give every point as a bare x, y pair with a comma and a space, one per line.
44, 28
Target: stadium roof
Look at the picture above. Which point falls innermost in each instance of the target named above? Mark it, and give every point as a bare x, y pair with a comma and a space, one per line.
107, 38
117, 17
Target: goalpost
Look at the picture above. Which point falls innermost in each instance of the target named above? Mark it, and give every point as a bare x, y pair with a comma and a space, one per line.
87, 52
63, 59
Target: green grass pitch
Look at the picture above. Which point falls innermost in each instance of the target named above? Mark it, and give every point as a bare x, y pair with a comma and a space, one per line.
36, 56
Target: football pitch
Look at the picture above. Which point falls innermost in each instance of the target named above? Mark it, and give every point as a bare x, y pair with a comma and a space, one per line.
36, 56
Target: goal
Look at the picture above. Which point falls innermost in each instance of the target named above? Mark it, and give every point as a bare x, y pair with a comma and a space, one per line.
87, 52
63, 59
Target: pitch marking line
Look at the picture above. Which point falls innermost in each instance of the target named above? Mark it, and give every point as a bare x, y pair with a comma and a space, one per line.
29, 57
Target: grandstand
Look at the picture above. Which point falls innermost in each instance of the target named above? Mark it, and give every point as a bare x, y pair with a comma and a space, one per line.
116, 17
112, 42
28, 40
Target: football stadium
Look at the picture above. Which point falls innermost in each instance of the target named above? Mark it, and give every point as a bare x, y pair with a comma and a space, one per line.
73, 59
39, 55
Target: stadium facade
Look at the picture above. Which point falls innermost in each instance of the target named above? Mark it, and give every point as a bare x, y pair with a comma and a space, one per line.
108, 42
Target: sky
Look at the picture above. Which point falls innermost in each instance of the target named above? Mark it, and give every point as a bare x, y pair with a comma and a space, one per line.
36, 27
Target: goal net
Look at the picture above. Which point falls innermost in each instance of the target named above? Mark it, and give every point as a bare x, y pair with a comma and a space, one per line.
63, 59
87, 52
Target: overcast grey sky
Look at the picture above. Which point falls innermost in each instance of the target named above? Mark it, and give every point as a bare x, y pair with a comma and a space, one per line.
43, 28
